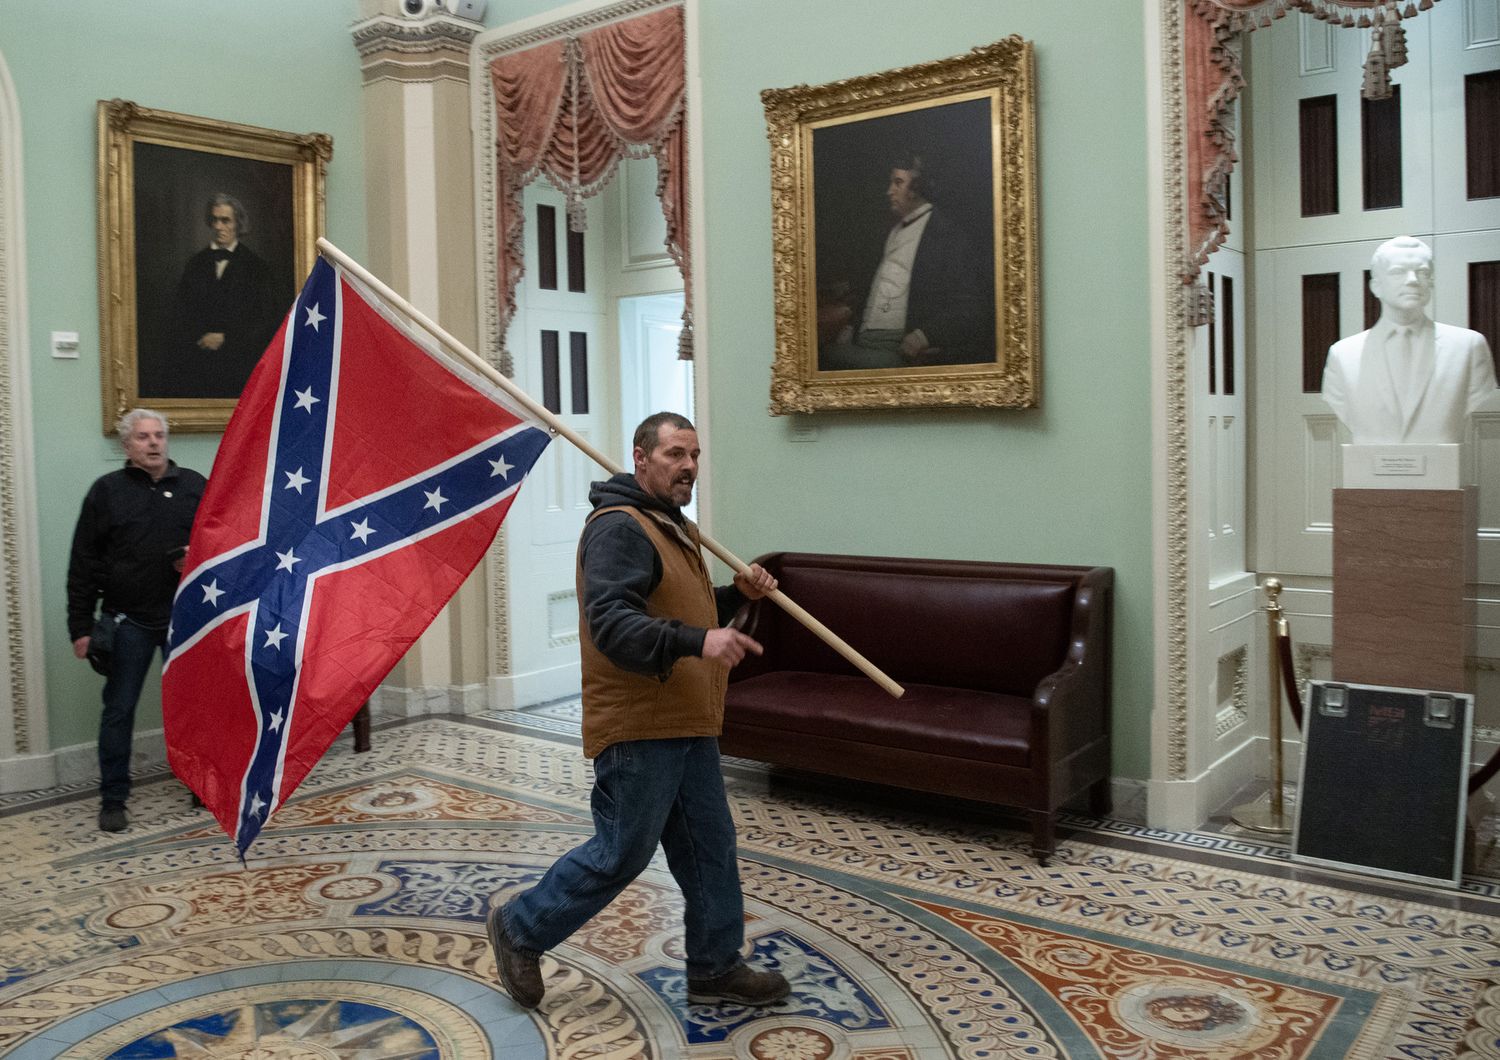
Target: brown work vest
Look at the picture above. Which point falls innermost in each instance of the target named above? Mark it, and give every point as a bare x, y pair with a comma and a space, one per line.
620, 705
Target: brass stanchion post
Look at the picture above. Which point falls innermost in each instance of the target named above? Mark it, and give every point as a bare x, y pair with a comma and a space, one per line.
1268, 813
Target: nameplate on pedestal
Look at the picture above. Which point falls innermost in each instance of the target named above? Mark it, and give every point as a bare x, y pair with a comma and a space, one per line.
1401, 467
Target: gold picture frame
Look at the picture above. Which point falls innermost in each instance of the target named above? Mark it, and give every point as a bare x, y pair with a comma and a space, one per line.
180, 332
962, 129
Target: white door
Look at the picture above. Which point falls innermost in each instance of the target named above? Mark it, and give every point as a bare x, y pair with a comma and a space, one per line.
557, 342
652, 378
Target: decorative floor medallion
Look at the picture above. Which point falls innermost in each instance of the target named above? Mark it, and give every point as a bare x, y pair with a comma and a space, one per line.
356, 929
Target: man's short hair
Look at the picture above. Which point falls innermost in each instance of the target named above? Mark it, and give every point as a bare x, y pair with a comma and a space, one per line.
923, 182
128, 421
241, 218
648, 434
1382, 256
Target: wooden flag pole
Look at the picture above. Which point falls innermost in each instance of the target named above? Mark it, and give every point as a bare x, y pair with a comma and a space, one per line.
556, 426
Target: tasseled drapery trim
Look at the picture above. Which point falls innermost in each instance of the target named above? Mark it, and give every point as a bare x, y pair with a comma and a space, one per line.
568, 111
1212, 82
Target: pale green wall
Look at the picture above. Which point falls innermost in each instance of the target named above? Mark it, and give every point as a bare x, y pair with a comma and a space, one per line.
1069, 482
282, 64
1066, 483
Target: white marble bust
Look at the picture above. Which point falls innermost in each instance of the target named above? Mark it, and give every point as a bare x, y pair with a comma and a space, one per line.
1407, 379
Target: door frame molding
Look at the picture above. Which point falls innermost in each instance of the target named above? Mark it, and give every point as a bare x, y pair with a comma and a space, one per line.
24, 742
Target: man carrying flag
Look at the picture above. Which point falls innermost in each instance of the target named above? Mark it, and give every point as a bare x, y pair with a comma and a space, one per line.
655, 661
362, 477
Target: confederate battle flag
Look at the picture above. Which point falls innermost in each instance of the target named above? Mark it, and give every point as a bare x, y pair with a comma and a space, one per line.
360, 480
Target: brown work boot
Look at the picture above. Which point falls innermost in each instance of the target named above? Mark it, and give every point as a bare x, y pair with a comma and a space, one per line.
520, 971
741, 985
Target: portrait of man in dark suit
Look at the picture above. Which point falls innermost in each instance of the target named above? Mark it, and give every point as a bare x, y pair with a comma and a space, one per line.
912, 285
227, 306
214, 268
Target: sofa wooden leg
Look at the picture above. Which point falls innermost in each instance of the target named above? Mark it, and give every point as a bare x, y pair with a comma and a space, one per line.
362, 729
1101, 799
1042, 838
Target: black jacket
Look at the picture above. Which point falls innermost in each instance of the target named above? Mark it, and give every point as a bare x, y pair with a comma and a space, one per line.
245, 305
123, 544
620, 570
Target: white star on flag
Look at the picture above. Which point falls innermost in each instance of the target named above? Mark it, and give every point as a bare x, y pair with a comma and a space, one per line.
304, 574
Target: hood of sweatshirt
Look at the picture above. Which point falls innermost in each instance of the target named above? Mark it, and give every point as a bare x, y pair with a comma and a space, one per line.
623, 489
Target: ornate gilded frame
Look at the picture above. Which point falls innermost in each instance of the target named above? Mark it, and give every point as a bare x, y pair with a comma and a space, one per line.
1002, 73
122, 126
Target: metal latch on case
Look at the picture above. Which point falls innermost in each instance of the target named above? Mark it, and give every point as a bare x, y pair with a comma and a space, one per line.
1441, 712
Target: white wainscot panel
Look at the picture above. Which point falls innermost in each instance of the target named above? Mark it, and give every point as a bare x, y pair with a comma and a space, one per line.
1320, 454
1319, 56
1481, 23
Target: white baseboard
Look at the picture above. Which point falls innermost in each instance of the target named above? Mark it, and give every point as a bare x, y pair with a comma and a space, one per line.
1127, 800
1182, 805
28, 773
513, 691
79, 763
390, 701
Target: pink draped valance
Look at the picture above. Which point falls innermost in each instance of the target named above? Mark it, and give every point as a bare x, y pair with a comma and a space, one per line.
1212, 82
570, 110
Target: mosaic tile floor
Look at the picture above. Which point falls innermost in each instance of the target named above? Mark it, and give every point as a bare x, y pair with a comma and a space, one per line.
356, 930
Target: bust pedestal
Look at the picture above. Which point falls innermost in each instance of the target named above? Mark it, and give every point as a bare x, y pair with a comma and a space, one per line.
1402, 562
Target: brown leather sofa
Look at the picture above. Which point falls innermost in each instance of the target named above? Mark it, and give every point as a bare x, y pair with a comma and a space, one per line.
1006, 668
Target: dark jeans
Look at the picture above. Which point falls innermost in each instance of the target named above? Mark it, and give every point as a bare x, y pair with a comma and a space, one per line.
128, 665
645, 792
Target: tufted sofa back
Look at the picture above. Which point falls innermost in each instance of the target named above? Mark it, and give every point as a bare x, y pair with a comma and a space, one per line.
993, 627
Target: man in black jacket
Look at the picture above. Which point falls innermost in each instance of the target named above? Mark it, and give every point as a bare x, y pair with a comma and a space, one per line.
931, 298
129, 549
227, 308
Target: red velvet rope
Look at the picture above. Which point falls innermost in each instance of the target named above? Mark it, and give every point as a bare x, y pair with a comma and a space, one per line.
1294, 699
1289, 676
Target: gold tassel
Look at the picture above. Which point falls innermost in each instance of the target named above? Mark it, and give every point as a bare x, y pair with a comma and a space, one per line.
1395, 47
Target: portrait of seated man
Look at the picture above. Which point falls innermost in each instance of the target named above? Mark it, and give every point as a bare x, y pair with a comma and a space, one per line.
227, 307
928, 295
1407, 379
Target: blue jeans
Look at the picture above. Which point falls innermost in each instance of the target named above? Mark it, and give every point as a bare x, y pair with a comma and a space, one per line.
645, 792
128, 665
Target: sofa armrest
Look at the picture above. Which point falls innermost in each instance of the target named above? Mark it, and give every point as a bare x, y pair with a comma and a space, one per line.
753, 621
1070, 707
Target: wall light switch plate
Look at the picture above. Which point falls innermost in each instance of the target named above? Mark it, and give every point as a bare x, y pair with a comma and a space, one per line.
65, 345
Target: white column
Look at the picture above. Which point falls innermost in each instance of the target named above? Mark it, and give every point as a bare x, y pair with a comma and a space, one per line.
420, 223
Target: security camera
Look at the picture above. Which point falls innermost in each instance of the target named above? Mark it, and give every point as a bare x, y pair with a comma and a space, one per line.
420, 8
469, 9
